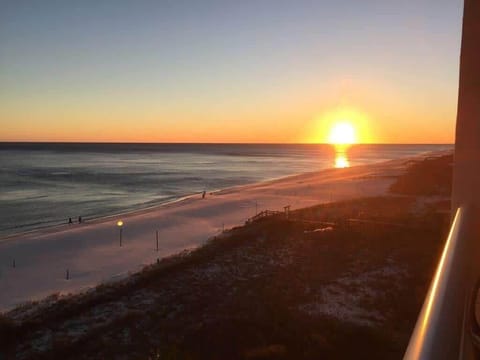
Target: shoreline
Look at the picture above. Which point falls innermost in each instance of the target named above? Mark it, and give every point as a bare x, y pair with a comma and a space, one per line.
139, 209
155, 206
89, 220
39, 225
91, 254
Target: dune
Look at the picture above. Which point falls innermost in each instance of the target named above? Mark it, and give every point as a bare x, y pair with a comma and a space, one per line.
91, 253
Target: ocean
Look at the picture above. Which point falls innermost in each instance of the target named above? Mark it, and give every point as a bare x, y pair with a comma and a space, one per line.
44, 184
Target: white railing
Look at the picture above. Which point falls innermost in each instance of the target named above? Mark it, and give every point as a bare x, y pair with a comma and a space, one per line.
446, 327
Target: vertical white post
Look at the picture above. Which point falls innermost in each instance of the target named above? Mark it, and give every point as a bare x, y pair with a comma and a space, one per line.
466, 179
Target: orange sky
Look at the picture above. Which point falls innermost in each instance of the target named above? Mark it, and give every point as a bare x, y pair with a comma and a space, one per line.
378, 115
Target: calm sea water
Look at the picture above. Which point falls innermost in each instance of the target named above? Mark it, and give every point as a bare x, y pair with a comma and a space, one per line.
45, 184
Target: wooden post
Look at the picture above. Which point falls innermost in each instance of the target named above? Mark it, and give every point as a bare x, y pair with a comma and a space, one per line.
67, 275
13, 263
157, 240
120, 237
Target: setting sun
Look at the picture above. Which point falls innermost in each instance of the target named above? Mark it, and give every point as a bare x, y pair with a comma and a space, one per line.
342, 134
341, 126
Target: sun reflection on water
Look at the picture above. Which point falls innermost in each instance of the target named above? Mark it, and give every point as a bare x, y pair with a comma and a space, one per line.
341, 161
341, 157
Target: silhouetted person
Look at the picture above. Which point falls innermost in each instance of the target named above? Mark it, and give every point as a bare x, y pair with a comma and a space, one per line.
70, 220
203, 194
79, 219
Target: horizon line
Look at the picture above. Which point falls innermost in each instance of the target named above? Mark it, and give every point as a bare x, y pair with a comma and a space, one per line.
208, 143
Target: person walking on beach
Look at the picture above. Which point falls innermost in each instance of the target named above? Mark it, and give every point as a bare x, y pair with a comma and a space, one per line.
79, 219
203, 194
70, 220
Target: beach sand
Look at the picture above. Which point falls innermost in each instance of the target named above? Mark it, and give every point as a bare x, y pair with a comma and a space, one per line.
91, 251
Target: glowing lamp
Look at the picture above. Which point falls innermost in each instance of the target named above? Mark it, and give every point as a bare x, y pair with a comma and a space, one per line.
120, 224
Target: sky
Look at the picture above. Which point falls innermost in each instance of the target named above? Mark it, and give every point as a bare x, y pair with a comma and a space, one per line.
265, 71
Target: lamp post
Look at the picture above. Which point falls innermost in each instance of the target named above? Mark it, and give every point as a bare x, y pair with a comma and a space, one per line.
120, 224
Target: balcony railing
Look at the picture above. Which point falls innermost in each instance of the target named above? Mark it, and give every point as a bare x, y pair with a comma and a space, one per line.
446, 327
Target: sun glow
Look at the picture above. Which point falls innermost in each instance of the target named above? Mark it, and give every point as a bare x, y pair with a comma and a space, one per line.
342, 133
341, 126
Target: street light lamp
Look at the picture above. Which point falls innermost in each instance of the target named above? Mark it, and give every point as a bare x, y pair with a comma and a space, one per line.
120, 224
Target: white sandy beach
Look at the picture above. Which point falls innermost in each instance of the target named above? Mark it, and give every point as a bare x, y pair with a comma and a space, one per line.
92, 254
